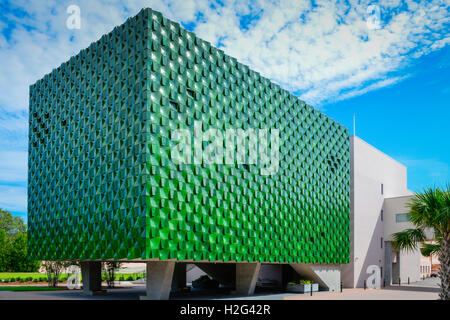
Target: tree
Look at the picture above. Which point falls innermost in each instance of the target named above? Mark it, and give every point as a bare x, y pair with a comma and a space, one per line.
110, 268
53, 270
12, 225
430, 210
18, 257
3, 250
13, 245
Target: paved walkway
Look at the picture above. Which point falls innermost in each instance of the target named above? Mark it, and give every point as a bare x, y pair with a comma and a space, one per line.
427, 289
388, 293
112, 294
423, 290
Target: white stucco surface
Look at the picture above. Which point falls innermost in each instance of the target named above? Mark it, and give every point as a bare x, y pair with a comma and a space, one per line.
374, 178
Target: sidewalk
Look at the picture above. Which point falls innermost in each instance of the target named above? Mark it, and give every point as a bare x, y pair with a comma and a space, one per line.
404, 292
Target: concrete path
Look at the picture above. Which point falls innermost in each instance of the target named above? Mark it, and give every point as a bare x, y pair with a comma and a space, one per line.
423, 290
389, 293
427, 289
112, 294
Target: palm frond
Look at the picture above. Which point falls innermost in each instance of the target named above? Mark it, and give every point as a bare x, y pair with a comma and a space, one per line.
429, 248
431, 209
446, 210
408, 239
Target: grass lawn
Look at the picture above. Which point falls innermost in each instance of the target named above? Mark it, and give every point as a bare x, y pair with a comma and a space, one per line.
26, 277
29, 288
42, 277
128, 276
9, 275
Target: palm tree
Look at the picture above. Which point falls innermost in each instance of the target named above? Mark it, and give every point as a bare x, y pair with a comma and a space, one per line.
430, 210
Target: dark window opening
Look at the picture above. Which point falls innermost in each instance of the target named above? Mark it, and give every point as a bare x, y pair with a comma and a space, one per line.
381, 242
190, 92
382, 189
381, 215
333, 163
174, 105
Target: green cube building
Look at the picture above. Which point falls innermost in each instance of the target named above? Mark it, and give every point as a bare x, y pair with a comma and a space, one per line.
103, 184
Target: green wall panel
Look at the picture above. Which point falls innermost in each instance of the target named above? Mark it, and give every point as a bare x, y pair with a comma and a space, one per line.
103, 184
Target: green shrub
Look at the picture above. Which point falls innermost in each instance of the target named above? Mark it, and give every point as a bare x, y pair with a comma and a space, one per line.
204, 282
13, 254
202, 278
293, 283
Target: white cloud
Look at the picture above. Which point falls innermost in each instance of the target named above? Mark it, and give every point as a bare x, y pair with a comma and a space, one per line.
315, 51
13, 198
13, 132
323, 52
13, 167
320, 51
377, 85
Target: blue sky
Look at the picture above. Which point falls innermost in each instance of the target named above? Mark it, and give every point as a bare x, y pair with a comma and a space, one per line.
393, 76
409, 120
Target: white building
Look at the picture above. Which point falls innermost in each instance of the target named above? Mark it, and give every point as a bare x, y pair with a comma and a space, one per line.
379, 197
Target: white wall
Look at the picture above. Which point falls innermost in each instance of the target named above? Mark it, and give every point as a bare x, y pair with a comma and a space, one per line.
409, 261
425, 265
270, 273
391, 208
327, 276
370, 168
410, 266
193, 273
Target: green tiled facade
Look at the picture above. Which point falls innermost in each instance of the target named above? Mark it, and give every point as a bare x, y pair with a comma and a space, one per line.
102, 183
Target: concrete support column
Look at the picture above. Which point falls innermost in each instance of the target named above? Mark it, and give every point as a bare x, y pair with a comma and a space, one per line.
179, 276
91, 273
159, 280
387, 274
246, 277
